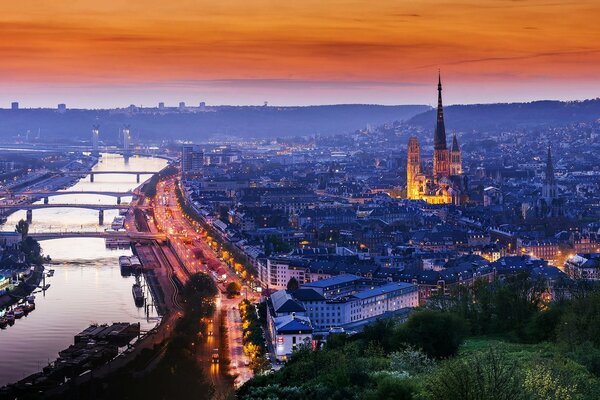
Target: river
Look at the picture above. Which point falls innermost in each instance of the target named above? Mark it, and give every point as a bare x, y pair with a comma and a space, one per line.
87, 286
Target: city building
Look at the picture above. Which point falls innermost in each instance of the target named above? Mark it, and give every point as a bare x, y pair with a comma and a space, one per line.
583, 266
61, 108
14, 105
345, 301
192, 159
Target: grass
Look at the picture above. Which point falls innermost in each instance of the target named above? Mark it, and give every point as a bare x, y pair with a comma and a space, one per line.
522, 352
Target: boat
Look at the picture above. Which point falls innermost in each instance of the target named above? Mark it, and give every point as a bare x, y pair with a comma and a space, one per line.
138, 295
50, 272
19, 312
10, 317
30, 299
3, 322
28, 307
118, 223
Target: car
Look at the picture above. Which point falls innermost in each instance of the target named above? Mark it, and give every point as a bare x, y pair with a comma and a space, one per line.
210, 333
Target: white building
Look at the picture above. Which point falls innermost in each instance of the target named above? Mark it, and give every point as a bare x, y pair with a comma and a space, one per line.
346, 301
289, 328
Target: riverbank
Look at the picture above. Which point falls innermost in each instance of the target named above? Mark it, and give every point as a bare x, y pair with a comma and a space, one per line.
24, 289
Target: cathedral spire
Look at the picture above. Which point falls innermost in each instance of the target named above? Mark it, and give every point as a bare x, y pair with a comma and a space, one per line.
454, 144
549, 168
439, 140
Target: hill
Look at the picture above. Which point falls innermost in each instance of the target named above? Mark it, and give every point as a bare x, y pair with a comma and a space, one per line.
261, 122
512, 115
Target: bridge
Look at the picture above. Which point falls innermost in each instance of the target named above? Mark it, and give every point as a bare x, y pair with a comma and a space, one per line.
45, 194
133, 236
92, 173
30, 207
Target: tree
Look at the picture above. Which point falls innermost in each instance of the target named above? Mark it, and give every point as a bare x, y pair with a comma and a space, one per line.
22, 227
483, 376
392, 388
233, 289
438, 334
410, 360
293, 284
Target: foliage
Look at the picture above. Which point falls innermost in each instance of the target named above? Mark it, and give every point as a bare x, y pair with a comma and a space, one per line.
252, 338
33, 250
488, 375
22, 227
410, 360
437, 333
233, 289
293, 284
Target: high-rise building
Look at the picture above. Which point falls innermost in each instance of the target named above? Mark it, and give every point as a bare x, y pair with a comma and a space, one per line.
455, 158
441, 164
192, 159
95, 136
182, 106
126, 138
62, 108
161, 106
14, 105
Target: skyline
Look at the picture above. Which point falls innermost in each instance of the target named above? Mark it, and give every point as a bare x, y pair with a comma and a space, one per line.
86, 54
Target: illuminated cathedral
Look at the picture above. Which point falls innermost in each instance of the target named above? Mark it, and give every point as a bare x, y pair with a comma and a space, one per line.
445, 183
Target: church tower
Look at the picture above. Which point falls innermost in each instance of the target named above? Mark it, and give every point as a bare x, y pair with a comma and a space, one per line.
441, 162
455, 158
413, 168
549, 190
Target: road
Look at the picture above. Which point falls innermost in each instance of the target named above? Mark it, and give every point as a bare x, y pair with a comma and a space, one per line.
186, 240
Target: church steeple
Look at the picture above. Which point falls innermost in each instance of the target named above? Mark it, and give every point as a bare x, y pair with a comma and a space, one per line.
439, 141
549, 168
549, 189
441, 155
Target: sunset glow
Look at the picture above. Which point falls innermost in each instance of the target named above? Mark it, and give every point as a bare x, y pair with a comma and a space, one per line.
297, 52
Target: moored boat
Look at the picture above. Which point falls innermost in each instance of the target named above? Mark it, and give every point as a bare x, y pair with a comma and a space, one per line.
19, 312
138, 295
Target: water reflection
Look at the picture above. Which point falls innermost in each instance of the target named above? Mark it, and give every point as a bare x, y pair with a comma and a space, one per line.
87, 286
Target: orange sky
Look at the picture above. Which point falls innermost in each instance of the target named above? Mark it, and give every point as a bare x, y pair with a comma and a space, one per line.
297, 52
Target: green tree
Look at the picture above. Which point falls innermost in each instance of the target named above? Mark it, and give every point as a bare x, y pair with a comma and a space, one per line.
438, 334
483, 376
233, 289
293, 284
22, 227
393, 388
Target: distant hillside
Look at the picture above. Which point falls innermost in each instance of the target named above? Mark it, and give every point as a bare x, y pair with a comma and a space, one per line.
262, 122
502, 116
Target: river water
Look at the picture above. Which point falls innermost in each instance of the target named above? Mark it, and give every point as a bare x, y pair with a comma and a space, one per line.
87, 286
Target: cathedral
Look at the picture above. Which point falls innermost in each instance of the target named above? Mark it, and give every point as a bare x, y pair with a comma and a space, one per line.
445, 183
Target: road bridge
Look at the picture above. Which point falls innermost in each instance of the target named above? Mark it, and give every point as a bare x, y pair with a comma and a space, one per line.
133, 236
93, 173
30, 207
45, 194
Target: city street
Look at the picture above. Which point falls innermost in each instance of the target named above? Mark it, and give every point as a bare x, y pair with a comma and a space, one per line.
186, 243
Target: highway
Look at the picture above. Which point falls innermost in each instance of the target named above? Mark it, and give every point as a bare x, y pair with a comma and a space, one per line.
185, 241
